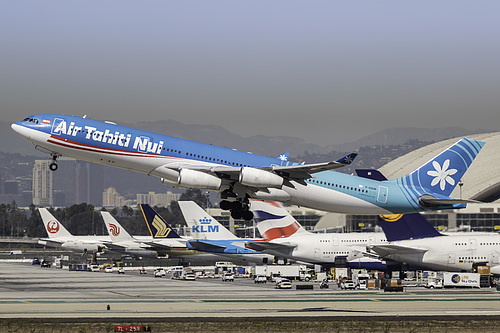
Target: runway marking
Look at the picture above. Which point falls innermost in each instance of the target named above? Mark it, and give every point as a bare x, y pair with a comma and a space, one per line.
250, 301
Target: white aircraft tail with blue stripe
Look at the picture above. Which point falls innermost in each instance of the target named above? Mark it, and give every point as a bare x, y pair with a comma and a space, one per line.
432, 183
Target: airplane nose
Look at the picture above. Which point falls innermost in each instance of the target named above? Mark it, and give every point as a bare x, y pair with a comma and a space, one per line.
21, 130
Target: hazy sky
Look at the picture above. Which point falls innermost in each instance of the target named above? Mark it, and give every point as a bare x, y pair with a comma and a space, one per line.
326, 71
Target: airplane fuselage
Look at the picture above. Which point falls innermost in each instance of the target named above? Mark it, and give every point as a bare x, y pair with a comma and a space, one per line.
451, 253
176, 161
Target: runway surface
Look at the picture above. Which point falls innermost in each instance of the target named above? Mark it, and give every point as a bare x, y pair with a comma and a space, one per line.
32, 292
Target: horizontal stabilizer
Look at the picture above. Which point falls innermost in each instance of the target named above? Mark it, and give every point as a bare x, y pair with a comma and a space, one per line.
428, 201
388, 249
158, 245
263, 246
205, 246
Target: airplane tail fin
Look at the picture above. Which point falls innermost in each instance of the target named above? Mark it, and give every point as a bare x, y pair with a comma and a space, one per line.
116, 232
157, 226
53, 227
274, 221
202, 225
442, 174
406, 226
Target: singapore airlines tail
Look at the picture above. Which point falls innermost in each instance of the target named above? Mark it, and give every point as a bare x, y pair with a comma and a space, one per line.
157, 226
53, 227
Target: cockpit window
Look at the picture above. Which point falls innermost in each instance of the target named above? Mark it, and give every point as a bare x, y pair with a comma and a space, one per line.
31, 120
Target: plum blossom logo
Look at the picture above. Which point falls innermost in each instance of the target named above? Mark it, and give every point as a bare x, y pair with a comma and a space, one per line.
442, 175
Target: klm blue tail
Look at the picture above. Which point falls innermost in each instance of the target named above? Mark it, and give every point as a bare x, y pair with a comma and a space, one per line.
156, 224
406, 226
442, 173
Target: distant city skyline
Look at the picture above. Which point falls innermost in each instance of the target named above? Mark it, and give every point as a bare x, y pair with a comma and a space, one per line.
324, 71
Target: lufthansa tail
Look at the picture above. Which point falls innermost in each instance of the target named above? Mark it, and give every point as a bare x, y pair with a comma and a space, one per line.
406, 226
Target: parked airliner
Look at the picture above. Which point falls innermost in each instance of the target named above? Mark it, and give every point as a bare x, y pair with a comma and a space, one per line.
284, 237
239, 176
413, 240
209, 235
59, 236
123, 242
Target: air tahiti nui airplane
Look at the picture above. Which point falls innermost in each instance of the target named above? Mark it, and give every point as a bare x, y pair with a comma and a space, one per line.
239, 176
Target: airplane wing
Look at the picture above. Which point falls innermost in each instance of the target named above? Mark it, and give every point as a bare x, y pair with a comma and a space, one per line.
292, 172
270, 246
388, 249
206, 246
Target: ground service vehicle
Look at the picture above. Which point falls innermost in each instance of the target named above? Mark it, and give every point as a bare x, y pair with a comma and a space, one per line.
347, 284
284, 284
260, 279
228, 277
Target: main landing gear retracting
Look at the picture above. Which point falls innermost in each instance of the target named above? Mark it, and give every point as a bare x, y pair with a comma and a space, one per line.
239, 209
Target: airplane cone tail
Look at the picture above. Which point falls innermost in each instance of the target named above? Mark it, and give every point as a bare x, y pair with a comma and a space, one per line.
157, 226
442, 173
274, 221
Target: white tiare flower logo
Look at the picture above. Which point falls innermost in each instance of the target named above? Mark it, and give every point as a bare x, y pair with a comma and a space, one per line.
283, 157
442, 175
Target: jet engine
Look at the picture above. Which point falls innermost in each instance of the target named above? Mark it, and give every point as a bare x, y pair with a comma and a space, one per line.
197, 179
259, 178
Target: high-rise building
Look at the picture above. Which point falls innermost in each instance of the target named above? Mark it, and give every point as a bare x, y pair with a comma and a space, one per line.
157, 199
111, 198
43, 186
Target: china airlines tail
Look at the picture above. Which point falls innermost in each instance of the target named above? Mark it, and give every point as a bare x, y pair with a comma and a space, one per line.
274, 221
116, 232
53, 227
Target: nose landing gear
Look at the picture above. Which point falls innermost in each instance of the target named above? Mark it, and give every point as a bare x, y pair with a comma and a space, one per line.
53, 166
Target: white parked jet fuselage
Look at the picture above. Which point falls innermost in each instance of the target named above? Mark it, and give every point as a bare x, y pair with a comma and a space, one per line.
453, 252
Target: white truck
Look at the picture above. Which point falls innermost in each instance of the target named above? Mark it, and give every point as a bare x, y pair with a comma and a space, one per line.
290, 271
453, 279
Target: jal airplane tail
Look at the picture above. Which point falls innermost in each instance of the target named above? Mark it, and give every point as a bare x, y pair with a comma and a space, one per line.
53, 227
157, 226
406, 226
274, 221
431, 184
202, 225
116, 232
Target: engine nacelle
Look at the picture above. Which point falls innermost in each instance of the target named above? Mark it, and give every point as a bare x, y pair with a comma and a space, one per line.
259, 178
197, 179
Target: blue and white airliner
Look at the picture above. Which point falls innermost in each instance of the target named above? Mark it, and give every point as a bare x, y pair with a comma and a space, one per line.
239, 176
